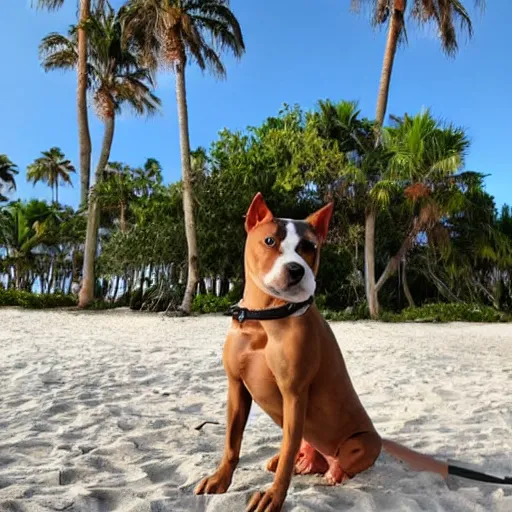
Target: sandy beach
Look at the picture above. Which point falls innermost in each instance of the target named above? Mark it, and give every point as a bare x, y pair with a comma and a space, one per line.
97, 413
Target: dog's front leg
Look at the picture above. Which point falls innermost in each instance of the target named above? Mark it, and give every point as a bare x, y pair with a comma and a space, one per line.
239, 405
294, 413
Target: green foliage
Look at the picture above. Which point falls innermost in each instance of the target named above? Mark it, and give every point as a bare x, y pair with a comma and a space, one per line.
438, 222
451, 312
349, 314
36, 237
29, 300
209, 303
162, 296
136, 300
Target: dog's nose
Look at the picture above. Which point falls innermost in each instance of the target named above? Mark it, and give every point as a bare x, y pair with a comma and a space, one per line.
295, 272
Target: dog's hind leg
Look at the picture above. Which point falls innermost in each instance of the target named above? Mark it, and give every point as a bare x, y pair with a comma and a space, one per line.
308, 461
356, 454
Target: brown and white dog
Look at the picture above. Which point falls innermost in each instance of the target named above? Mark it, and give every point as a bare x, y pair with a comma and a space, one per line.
293, 368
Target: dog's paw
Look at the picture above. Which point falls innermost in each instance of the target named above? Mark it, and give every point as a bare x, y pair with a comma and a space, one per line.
335, 474
268, 501
218, 483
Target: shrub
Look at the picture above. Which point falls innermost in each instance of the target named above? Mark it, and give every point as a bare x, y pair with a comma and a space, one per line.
209, 303
9, 297
357, 312
30, 300
101, 304
442, 312
163, 296
136, 299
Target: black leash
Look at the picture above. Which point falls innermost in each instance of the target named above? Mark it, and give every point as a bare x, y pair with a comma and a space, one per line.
476, 475
243, 314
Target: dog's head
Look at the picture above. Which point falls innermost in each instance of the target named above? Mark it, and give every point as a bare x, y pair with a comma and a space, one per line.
282, 255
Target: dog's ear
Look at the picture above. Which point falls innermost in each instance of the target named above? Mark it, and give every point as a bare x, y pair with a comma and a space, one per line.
257, 213
320, 221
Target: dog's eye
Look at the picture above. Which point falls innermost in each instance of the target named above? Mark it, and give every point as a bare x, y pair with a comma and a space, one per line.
308, 246
270, 241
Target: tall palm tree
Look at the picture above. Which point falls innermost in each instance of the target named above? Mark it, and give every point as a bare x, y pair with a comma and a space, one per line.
84, 137
170, 34
51, 168
7, 172
116, 78
443, 14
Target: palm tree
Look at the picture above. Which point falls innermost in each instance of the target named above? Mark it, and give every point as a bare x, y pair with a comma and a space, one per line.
51, 168
148, 177
416, 158
116, 191
117, 78
444, 15
84, 137
425, 155
170, 34
7, 172
18, 238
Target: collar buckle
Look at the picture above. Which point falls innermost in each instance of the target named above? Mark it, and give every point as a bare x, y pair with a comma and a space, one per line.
240, 316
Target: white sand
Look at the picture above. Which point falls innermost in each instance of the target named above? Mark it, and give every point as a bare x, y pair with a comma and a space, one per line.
97, 413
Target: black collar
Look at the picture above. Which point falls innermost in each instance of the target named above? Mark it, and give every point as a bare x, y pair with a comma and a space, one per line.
242, 314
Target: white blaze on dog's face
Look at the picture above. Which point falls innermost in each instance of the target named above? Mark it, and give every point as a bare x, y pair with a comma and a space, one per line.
282, 255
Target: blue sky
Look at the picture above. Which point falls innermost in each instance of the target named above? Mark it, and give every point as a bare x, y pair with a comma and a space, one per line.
297, 52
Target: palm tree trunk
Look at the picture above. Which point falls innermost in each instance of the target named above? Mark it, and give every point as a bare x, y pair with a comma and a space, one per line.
51, 279
56, 192
369, 262
84, 137
394, 31
188, 207
405, 285
116, 289
142, 278
93, 220
394, 262
17, 276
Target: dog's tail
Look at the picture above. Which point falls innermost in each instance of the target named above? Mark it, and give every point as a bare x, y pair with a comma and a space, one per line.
421, 462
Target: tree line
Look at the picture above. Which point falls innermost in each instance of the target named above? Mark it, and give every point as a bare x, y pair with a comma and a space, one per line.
411, 170
437, 234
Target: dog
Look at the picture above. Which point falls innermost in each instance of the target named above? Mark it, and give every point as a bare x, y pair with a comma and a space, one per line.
281, 353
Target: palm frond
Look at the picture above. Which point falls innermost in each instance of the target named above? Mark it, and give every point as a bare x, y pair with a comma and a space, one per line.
57, 51
50, 5
8, 171
382, 192
171, 31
